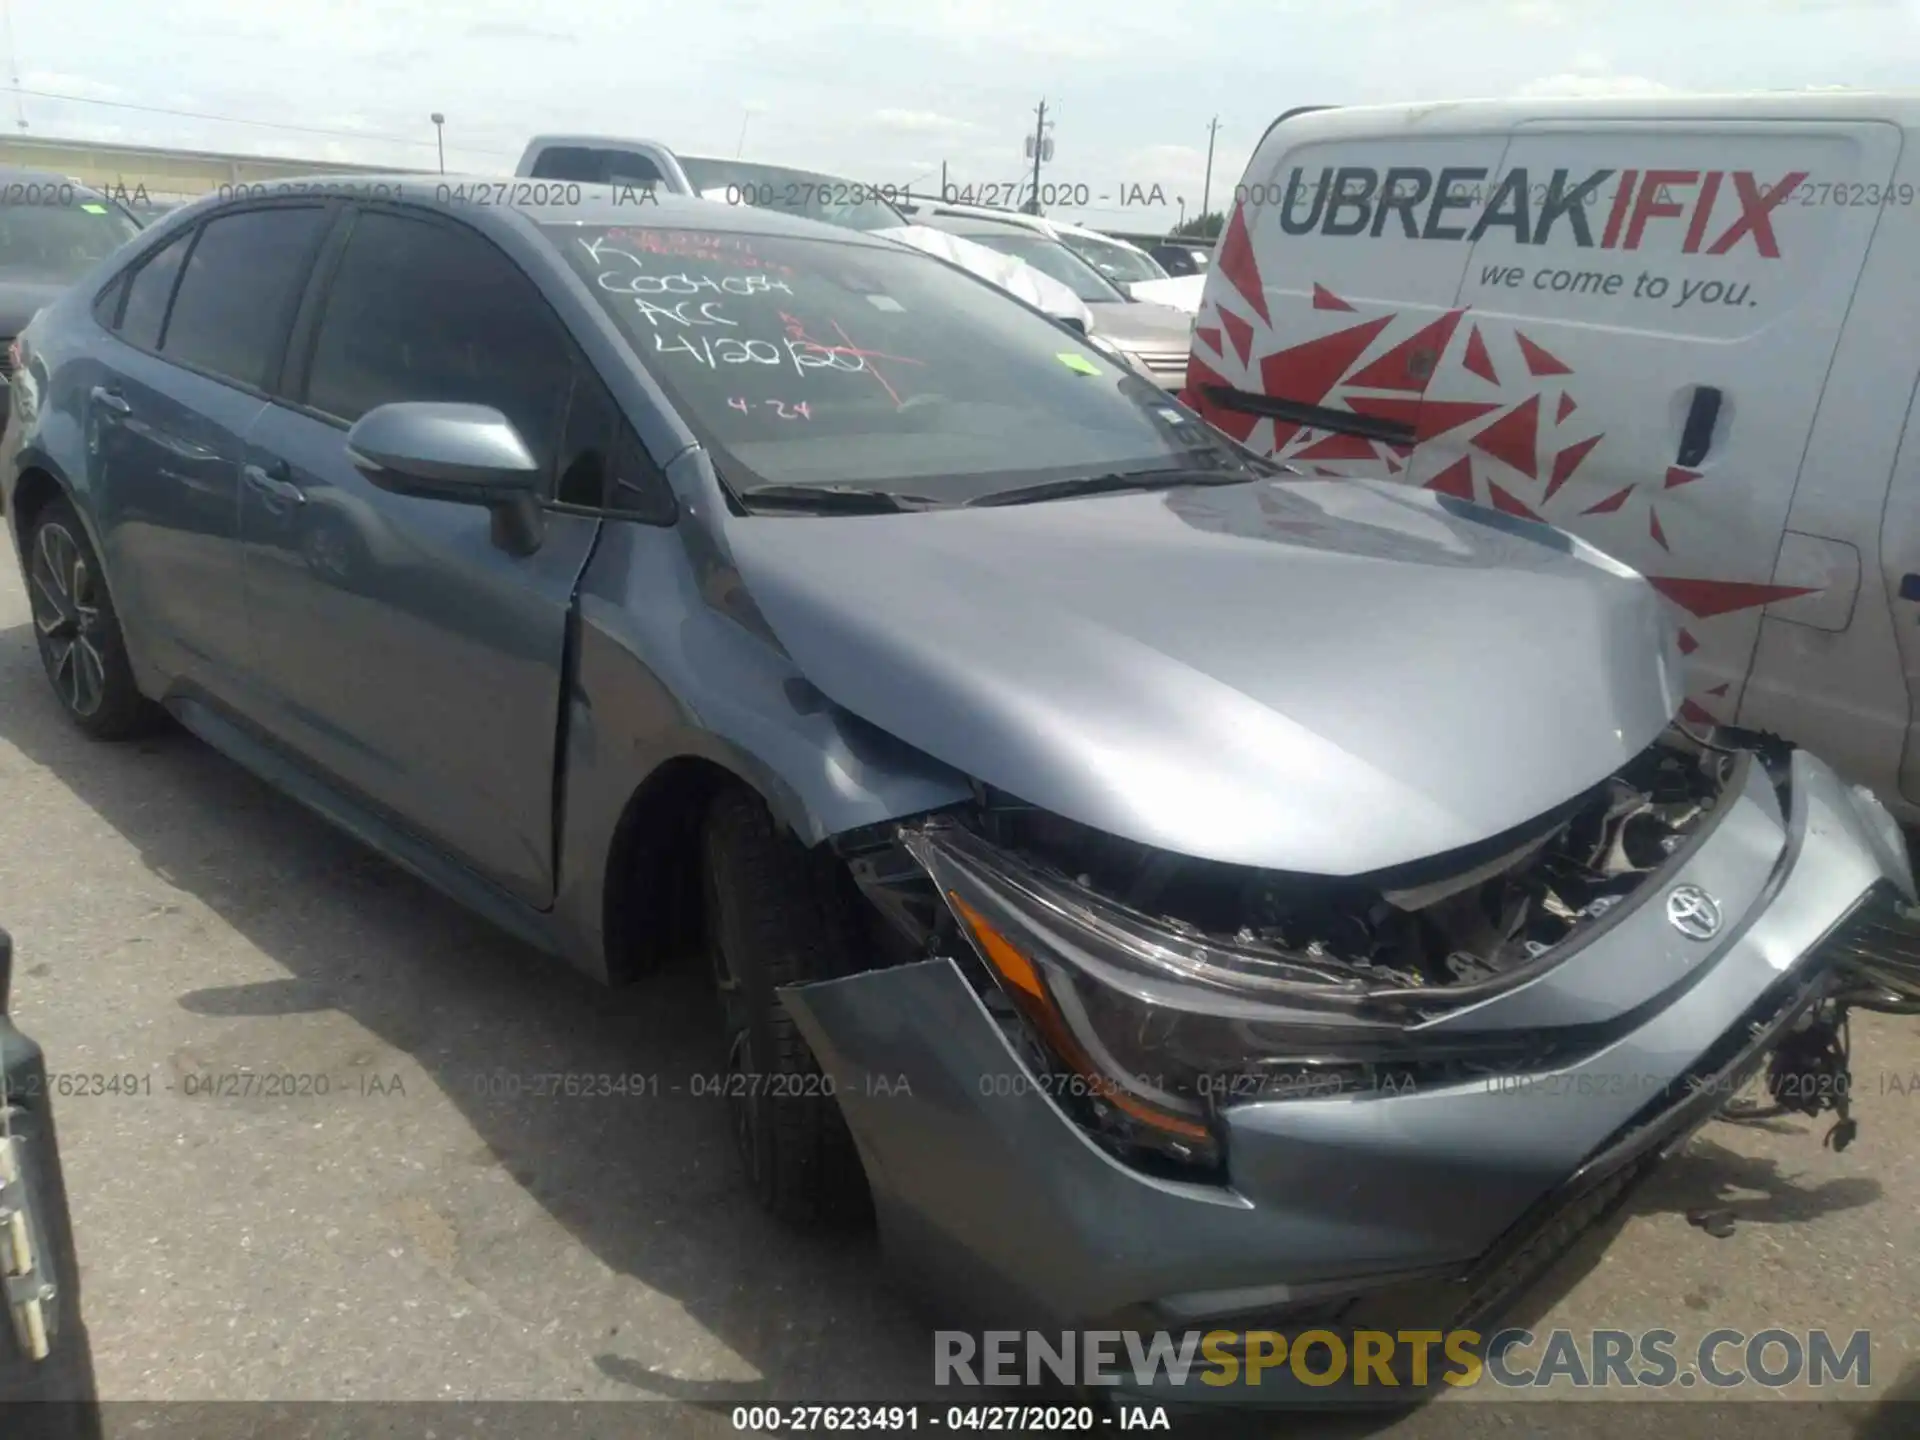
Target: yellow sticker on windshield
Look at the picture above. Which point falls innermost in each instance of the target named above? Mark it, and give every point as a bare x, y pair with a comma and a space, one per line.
1073, 360
94, 209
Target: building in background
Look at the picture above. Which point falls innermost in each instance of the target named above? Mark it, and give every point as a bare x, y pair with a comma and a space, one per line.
165, 176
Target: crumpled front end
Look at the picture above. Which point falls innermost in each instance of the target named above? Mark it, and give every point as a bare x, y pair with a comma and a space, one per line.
1126, 1091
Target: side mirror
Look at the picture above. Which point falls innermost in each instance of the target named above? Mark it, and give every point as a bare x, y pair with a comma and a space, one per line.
465, 454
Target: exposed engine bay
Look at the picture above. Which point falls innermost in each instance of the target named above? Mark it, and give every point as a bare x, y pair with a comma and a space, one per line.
1455, 920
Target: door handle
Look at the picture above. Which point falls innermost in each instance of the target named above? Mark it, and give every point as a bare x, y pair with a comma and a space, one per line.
271, 481
110, 400
1696, 437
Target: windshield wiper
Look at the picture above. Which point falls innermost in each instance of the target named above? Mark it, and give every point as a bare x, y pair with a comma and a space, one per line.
1114, 482
833, 499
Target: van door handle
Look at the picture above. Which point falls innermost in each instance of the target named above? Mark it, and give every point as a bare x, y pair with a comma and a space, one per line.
272, 482
1696, 437
110, 400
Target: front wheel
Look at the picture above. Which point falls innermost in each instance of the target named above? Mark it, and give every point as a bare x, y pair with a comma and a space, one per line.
81, 644
778, 914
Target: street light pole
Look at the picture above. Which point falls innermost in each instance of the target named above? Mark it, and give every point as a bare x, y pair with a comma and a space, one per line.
1206, 191
440, 138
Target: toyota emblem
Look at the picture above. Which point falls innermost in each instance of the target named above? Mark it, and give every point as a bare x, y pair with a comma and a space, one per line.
1693, 912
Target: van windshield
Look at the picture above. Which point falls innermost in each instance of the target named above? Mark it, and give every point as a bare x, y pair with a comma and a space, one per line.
853, 364
845, 203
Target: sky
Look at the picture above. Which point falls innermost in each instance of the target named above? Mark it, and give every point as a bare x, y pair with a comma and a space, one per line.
885, 93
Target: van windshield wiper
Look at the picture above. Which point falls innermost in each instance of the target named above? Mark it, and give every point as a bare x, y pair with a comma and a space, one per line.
1115, 482
833, 499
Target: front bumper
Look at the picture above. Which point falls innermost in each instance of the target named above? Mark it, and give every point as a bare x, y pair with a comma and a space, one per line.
1428, 1208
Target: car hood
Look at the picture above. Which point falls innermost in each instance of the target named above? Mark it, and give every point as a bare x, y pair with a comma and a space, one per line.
1328, 677
1006, 271
1179, 292
22, 296
1143, 324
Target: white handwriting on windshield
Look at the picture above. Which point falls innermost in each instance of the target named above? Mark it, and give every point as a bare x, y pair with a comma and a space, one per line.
715, 351
708, 313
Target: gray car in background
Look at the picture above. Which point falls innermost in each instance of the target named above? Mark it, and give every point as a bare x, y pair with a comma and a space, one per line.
52, 231
1165, 891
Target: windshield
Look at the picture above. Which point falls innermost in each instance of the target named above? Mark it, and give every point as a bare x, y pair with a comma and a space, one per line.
845, 203
816, 362
1116, 262
1051, 258
61, 242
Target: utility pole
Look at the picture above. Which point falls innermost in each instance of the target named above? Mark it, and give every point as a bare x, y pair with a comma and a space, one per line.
440, 138
1206, 189
943, 182
1039, 149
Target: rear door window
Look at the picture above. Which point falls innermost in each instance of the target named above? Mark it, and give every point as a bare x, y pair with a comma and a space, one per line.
150, 293
237, 296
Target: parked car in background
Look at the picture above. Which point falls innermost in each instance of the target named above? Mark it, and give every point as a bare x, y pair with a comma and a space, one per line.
1156, 335
1181, 259
46, 1366
611, 160
52, 231
1195, 889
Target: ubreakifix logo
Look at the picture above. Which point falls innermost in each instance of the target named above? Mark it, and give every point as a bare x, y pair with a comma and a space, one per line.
1712, 212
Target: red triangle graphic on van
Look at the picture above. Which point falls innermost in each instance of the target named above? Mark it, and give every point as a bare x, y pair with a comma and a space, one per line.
1653, 529
1678, 476
1687, 643
1437, 417
1240, 332
1515, 438
1410, 365
1704, 599
1568, 461
1308, 371
1389, 408
1697, 714
1720, 689
1236, 423
1239, 266
1612, 503
1325, 299
1456, 480
1339, 447
1539, 362
1512, 504
1567, 407
1209, 336
1478, 361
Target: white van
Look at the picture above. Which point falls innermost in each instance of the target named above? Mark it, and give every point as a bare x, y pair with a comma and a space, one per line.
1686, 329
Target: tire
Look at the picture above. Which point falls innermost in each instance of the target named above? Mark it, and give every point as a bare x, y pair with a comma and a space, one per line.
778, 915
78, 631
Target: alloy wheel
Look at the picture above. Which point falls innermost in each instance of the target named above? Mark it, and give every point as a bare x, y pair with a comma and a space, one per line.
66, 601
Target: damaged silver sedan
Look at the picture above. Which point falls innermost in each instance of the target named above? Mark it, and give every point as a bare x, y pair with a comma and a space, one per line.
1166, 891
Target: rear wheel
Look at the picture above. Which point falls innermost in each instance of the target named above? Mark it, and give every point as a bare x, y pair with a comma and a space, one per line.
79, 634
778, 914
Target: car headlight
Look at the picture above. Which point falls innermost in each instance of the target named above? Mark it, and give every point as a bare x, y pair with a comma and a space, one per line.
1163, 1027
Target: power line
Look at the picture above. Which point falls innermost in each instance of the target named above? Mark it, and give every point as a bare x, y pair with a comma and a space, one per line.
235, 119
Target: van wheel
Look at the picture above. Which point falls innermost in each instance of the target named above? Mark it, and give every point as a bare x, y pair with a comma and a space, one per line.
81, 644
778, 914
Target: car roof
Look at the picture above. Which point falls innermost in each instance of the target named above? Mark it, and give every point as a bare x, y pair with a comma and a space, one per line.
14, 175
480, 196
971, 224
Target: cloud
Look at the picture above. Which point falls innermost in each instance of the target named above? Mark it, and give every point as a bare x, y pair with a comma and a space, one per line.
924, 122
1583, 85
